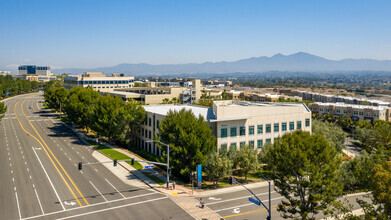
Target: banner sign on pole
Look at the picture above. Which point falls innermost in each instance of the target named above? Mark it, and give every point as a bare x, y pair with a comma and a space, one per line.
199, 175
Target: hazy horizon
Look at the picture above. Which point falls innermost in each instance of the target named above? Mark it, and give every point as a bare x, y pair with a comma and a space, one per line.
91, 34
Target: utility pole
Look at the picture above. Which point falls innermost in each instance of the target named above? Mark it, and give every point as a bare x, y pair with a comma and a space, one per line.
168, 159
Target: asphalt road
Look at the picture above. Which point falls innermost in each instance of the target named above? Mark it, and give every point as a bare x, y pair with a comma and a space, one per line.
236, 205
40, 180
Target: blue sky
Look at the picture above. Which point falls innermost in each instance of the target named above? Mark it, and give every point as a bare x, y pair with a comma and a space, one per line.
94, 33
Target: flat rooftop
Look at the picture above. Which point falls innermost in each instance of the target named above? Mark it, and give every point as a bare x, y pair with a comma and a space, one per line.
206, 112
341, 104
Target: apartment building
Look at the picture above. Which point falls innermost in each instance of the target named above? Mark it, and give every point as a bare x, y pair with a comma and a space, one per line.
327, 98
356, 112
99, 81
233, 122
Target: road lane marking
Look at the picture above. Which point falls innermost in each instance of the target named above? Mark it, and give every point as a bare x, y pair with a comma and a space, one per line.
46, 154
250, 212
50, 181
111, 208
115, 188
98, 191
55, 158
228, 200
39, 202
247, 204
95, 204
17, 203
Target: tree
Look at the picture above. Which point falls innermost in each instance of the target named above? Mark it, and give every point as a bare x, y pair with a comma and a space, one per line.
80, 106
108, 119
246, 158
344, 121
356, 174
190, 139
133, 116
217, 166
306, 172
333, 133
380, 207
363, 124
3, 110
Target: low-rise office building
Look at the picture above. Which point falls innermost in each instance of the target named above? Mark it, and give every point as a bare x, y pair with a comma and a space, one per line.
153, 95
356, 112
234, 123
99, 81
252, 123
34, 73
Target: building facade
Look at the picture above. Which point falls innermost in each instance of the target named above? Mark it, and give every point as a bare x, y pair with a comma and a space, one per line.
239, 122
34, 73
99, 81
356, 112
234, 123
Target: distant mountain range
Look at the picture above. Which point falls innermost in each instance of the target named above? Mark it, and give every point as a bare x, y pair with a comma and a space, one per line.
301, 61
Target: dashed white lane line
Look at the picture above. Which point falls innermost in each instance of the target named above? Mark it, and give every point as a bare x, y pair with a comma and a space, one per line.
96, 170
30, 177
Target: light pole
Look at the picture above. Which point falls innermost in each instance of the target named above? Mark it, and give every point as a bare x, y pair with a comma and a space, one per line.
168, 158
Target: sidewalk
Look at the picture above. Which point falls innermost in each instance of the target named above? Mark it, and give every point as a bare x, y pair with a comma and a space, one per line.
183, 197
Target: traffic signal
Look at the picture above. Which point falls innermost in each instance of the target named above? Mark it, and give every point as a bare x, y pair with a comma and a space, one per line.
115, 162
132, 161
232, 180
80, 166
169, 171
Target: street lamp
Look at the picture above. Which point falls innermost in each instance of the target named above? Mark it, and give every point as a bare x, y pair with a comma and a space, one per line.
168, 158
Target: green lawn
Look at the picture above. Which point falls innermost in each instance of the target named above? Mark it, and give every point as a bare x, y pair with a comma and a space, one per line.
154, 178
113, 154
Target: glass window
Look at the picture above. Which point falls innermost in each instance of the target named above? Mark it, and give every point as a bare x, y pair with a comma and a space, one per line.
157, 124
298, 124
259, 144
251, 144
150, 135
268, 141
307, 122
251, 130
242, 144
223, 147
291, 126
242, 131
283, 126
233, 132
276, 127
232, 146
260, 129
268, 128
224, 132
149, 122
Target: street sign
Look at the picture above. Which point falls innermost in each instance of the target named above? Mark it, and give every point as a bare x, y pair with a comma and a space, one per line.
254, 201
149, 166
